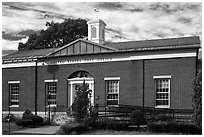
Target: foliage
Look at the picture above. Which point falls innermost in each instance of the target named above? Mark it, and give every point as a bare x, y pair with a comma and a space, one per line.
5, 118
81, 103
92, 120
56, 35
197, 99
137, 118
173, 127
27, 114
161, 118
70, 128
29, 119
24, 122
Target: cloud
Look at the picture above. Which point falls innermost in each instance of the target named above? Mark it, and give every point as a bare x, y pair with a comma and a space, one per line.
12, 45
125, 21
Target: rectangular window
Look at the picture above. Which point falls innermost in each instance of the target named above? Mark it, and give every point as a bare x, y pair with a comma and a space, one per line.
162, 87
51, 91
112, 90
14, 94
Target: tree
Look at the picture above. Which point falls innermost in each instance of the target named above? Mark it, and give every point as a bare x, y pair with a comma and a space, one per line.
197, 99
56, 35
81, 103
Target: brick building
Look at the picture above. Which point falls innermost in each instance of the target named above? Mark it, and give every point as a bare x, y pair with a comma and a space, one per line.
154, 73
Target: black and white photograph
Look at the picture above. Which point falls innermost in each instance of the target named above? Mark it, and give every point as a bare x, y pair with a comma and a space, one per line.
101, 68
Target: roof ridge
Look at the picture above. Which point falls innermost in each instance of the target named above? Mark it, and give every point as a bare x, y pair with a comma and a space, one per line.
154, 39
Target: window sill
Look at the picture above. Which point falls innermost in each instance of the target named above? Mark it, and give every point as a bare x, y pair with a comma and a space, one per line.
164, 106
51, 106
14, 106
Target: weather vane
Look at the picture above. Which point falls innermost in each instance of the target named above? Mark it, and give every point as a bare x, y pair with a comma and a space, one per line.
96, 12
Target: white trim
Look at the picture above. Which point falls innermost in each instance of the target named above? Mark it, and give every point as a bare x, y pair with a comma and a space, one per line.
174, 55
163, 76
95, 60
73, 81
14, 106
15, 65
51, 80
164, 106
79, 79
13, 82
52, 105
112, 78
113, 93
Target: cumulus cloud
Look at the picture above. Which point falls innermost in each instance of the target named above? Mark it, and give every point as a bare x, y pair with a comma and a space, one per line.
12, 45
125, 21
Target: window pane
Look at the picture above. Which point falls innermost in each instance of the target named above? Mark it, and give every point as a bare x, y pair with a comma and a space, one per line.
14, 94
162, 91
112, 102
162, 102
112, 89
51, 88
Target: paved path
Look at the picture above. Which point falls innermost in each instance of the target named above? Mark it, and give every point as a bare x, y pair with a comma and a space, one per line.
48, 130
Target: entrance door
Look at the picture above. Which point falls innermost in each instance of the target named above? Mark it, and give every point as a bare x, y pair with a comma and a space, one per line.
74, 83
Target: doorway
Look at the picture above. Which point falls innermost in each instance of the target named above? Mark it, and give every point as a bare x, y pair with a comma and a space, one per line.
75, 80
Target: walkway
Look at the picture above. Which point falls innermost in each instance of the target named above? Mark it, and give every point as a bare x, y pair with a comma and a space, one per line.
48, 130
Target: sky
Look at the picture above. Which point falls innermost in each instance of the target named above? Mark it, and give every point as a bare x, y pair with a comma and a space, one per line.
129, 21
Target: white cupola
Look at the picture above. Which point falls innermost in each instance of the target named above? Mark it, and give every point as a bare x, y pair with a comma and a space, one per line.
96, 31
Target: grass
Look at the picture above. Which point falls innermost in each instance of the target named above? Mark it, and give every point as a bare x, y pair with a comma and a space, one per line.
113, 132
13, 127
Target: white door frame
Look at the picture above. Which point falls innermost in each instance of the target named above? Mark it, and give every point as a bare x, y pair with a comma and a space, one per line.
73, 81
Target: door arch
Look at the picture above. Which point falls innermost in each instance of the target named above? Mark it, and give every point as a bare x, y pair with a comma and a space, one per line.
76, 79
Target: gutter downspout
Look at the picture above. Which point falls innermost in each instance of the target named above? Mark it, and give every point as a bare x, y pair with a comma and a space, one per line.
143, 85
36, 85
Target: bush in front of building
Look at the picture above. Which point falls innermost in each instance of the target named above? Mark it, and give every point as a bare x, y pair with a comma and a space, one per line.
137, 118
81, 103
6, 118
29, 119
197, 99
173, 127
160, 118
72, 128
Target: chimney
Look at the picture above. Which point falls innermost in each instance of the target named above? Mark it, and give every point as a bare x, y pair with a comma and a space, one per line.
96, 31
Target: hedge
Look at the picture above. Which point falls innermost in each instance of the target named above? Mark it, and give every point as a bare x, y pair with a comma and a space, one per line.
173, 127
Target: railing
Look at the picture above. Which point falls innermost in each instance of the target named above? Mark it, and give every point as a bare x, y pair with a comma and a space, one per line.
122, 112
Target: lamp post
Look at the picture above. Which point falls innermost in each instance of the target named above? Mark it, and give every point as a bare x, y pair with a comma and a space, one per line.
90, 92
9, 107
49, 96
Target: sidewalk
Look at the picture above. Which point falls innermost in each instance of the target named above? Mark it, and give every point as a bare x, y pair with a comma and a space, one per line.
48, 130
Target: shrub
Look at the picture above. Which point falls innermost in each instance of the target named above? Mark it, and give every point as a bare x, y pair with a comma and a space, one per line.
161, 118
29, 119
118, 126
27, 114
5, 118
91, 121
69, 128
197, 99
137, 118
24, 122
81, 103
173, 127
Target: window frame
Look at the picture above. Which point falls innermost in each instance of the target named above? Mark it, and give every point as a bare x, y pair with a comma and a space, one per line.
46, 92
108, 79
165, 77
10, 83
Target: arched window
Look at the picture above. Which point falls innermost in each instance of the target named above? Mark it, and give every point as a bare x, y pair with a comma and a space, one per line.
93, 32
80, 74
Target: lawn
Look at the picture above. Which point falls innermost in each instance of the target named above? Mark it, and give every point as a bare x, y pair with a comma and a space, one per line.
13, 127
113, 132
